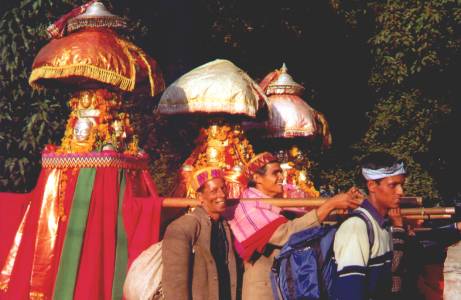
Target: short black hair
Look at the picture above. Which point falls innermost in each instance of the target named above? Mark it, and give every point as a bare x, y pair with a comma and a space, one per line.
260, 171
378, 160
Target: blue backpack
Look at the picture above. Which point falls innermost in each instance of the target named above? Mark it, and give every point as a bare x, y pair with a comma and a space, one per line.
305, 267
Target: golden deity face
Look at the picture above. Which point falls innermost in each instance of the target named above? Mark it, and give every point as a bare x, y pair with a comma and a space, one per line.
217, 132
294, 151
85, 100
82, 130
214, 131
118, 128
212, 155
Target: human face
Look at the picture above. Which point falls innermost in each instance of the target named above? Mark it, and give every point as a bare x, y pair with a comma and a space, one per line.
213, 197
386, 193
271, 182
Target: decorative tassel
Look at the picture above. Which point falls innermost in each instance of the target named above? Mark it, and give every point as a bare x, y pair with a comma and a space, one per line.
106, 76
95, 22
127, 47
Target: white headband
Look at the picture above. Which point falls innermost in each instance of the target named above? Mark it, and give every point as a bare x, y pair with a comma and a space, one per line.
370, 174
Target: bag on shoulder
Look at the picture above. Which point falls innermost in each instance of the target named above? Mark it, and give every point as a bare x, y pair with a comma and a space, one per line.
144, 278
305, 267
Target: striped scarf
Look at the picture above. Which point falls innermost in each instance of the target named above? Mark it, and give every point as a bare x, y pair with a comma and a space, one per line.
253, 223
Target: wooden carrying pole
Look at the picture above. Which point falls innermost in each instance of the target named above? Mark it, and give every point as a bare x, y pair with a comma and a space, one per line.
312, 203
427, 217
280, 202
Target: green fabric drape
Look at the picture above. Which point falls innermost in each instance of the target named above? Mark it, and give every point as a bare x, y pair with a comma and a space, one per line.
121, 255
68, 266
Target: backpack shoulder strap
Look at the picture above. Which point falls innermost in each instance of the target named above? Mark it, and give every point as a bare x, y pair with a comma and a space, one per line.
366, 219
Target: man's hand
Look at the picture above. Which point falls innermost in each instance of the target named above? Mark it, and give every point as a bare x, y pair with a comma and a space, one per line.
396, 217
349, 200
353, 198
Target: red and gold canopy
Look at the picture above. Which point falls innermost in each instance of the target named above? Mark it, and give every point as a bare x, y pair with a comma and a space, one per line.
216, 87
289, 115
93, 55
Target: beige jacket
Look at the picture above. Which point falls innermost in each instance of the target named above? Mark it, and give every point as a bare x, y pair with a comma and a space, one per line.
256, 278
189, 269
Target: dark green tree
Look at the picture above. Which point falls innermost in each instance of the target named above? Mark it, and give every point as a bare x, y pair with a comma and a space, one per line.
28, 119
415, 47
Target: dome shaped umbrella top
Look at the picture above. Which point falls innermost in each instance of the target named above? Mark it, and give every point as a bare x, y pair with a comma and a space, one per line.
289, 115
218, 87
96, 15
94, 56
283, 83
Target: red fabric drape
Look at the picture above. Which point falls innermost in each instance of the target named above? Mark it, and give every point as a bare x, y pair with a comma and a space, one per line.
141, 216
19, 283
141, 212
96, 268
12, 209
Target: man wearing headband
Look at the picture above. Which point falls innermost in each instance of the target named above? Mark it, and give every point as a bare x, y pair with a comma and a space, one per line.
198, 257
260, 230
364, 270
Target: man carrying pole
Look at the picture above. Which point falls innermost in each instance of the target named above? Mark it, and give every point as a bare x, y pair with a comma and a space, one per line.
198, 257
260, 230
364, 270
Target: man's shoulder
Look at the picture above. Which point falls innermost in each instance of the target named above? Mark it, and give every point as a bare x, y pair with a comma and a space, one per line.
353, 223
187, 222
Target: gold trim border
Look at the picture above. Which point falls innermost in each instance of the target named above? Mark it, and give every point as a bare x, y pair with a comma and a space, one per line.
91, 161
89, 71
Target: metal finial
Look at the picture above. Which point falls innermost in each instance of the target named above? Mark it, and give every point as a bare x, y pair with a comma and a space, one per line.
284, 84
284, 69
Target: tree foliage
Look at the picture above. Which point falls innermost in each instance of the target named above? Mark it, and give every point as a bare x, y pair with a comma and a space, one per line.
28, 119
415, 48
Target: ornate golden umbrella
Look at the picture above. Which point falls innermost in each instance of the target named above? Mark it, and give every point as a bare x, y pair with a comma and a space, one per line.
218, 88
92, 55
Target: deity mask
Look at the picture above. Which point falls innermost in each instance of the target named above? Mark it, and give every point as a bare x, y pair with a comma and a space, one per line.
214, 131
82, 130
213, 155
118, 128
85, 101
